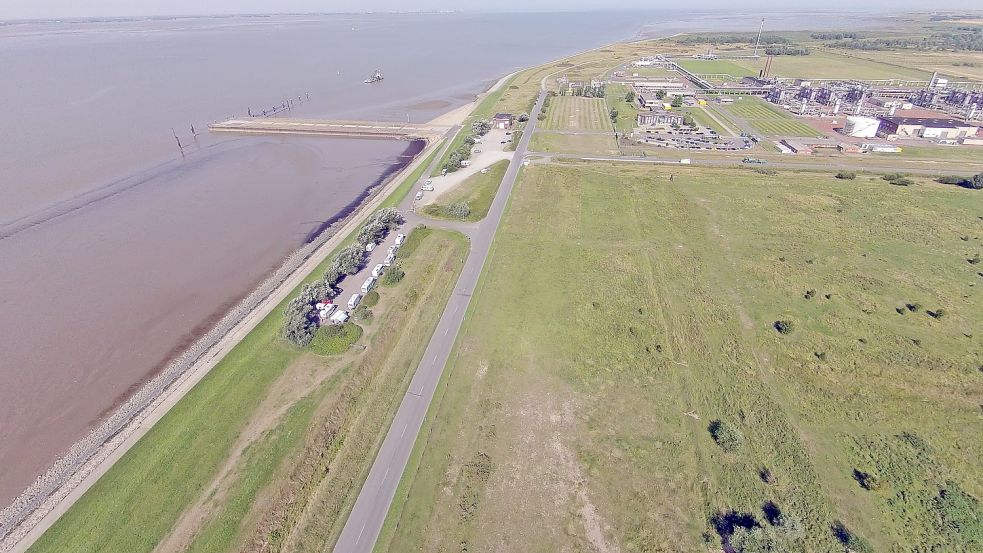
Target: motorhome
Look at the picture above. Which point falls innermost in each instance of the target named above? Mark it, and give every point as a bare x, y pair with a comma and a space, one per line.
369, 284
353, 301
400, 238
378, 270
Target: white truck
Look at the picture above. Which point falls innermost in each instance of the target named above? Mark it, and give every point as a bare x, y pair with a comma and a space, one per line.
400, 238
339, 318
368, 285
378, 270
353, 301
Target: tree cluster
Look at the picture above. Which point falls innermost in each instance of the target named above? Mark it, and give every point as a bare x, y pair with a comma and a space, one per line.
834, 36
748, 38
299, 318
727, 436
786, 50
970, 40
463, 152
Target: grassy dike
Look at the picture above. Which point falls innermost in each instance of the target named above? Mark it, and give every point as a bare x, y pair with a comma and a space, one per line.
137, 502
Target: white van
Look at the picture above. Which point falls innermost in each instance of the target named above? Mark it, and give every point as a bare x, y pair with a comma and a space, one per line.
400, 238
339, 317
378, 270
353, 301
427, 187
369, 284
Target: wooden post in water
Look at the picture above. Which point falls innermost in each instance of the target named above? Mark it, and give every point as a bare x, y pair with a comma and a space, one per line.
178, 140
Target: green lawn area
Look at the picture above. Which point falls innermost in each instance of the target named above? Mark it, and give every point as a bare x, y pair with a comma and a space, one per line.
582, 394
596, 144
704, 119
574, 113
627, 112
716, 67
477, 191
968, 154
768, 119
248, 447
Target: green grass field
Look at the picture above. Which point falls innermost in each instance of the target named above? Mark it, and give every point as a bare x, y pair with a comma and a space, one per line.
703, 118
768, 119
596, 144
572, 113
716, 67
627, 112
622, 316
244, 453
963, 154
477, 191
826, 64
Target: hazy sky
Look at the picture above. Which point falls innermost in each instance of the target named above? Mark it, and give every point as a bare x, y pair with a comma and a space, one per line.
19, 9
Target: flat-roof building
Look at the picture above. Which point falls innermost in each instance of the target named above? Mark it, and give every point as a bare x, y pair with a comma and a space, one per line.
927, 127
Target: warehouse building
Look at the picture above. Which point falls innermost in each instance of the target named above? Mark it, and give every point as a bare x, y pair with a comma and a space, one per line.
927, 127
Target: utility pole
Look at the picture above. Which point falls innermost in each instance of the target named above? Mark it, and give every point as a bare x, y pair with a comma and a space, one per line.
758, 41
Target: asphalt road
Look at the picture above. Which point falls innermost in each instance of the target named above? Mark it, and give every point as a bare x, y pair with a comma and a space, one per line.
369, 513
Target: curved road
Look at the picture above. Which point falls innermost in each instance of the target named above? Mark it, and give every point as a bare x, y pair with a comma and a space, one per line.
369, 513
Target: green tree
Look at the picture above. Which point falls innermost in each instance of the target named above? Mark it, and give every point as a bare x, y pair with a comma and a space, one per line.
660, 94
689, 121
630, 97
614, 115
677, 101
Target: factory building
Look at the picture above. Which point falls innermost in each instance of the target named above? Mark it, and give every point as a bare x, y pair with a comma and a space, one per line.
926, 127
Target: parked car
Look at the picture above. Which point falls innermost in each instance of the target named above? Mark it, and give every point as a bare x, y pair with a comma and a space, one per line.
419, 195
378, 270
353, 301
427, 188
484, 171
429, 181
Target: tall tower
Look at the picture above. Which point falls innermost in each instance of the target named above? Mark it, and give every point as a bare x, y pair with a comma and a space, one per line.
758, 40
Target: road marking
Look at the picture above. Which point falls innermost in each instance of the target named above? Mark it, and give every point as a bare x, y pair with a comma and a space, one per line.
446, 330
360, 532
405, 426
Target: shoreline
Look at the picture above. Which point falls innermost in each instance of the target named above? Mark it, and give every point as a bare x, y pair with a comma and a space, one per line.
72, 473
65, 481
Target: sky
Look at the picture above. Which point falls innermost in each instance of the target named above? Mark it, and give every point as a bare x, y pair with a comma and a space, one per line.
29, 9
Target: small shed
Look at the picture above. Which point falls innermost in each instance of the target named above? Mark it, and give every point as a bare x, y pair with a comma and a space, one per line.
503, 120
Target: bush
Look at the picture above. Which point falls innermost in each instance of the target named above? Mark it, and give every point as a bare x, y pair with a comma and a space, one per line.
867, 480
459, 210
784, 326
898, 179
937, 314
362, 314
846, 175
755, 540
393, 275
371, 299
810, 294
480, 128
960, 514
727, 436
850, 540
335, 339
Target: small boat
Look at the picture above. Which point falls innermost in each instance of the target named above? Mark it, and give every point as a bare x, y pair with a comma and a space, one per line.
374, 78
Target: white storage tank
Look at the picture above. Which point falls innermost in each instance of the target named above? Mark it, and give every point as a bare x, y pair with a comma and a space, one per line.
861, 127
